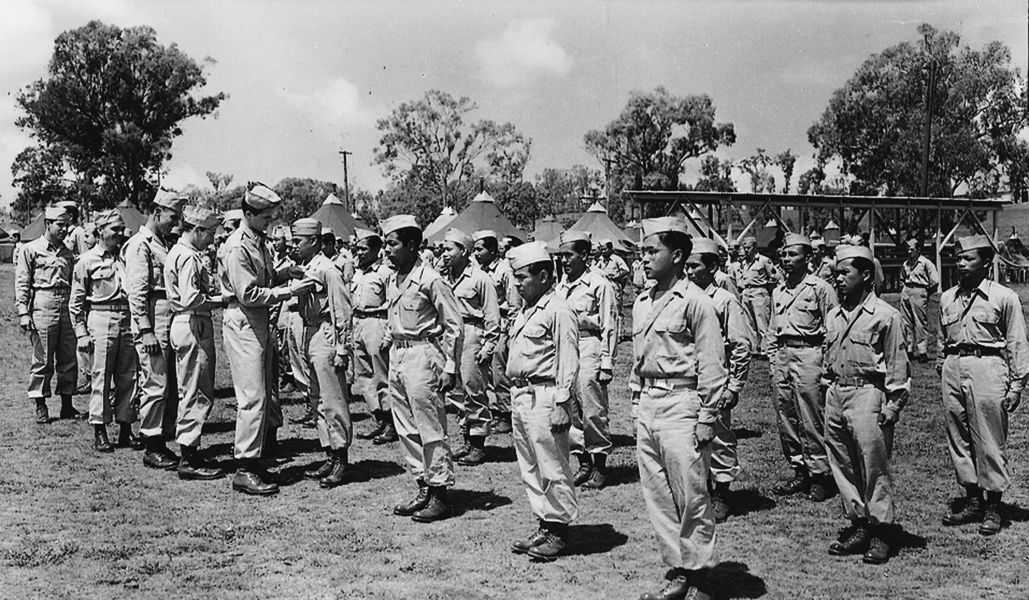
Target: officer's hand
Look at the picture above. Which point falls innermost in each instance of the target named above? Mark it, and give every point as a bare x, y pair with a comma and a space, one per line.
149, 342
296, 272
703, 434
732, 398
560, 418
604, 376
888, 416
446, 382
84, 343
1012, 400
25, 322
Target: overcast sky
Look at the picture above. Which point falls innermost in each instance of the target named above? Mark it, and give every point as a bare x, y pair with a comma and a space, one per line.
306, 78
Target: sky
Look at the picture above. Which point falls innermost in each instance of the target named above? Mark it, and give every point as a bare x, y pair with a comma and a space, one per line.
307, 78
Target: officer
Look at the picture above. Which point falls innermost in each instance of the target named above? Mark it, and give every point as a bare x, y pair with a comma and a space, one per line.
983, 363
755, 277
424, 334
593, 300
795, 336
739, 340
281, 258
477, 300
248, 276
192, 293
921, 280
326, 311
493, 262
371, 360
42, 283
99, 308
542, 367
77, 239
866, 369
677, 379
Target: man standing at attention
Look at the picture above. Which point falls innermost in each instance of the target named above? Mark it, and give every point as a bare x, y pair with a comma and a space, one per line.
921, 280
495, 264
755, 277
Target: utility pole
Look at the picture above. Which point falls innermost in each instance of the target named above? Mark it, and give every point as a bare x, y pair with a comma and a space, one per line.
927, 139
346, 181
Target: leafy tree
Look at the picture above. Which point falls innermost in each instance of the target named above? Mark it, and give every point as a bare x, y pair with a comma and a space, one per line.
219, 181
756, 167
715, 175
107, 112
786, 160
874, 125
302, 196
519, 201
562, 190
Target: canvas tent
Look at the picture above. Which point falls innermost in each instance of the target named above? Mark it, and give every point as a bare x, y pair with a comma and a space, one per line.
440, 223
333, 214
481, 213
129, 213
548, 230
600, 227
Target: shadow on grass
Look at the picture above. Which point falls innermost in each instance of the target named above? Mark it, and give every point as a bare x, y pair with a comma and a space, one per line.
1014, 513
620, 440
365, 470
744, 433
463, 501
500, 454
734, 580
747, 501
584, 540
225, 392
622, 474
219, 426
905, 540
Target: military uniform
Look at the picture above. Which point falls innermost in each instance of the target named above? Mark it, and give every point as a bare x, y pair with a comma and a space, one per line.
754, 278
726, 282
510, 302
920, 281
371, 359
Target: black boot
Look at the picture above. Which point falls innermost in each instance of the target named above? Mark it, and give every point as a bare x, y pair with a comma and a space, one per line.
127, 439
192, 468
853, 540
389, 432
318, 470
340, 472
436, 508
415, 504
598, 478
249, 481
537, 538
992, 521
585, 469
677, 585
553, 544
822, 488
42, 412
720, 502
800, 483
465, 447
971, 510
879, 546
476, 454
380, 426
100, 441
157, 455
68, 411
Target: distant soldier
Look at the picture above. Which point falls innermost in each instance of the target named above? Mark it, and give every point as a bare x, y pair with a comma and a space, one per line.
722, 278
739, 340
145, 254
823, 263
542, 367
281, 259
326, 311
677, 379
371, 360
493, 262
795, 337
78, 238
755, 277
344, 259
99, 309
248, 276
593, 300
866, 369
477, 300
921, 280
192, 293
639, 275
42, 284
425, 332
984, 361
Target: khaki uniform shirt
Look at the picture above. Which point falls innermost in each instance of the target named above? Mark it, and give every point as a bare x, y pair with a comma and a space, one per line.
477, 301
756, 273
247, 271
825, 269
41, 266
76, 241
368, 287
329, 300
989, 316
507, 294
188, 279
144, 254
614, 268
593, 300
724, 281
677, 335
421, 307
921, 274
545, 345
800, 311
866, 345
737, 333
99, 278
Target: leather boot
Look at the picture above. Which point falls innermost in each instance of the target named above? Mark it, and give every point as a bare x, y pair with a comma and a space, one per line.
191, 468
992, 521
598, 478
436, 508
100, 441
389, 432
42, 412
537, 538
585, 469
341, 472
853, 540
501, 423
971, 510
800, 483
879, 547
555, 538
415, 504
127, 439
476, 454
319, 470
157, 455
822, 488
68, 411
380, 426
677, 584
465, 447
720, 502
248, 481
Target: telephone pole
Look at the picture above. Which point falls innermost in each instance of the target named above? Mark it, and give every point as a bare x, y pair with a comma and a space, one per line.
346, 181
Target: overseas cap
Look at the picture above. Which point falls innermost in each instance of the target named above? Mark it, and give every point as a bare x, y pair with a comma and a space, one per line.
364, 234
528, 254
664, 225
200, 216
849, 251
705, 246
108, 217
307, 226
53, 213
169, 199
459, 237
796, 239
974, 242
326, 230
261, 197
483, 234
398, 222
569, 237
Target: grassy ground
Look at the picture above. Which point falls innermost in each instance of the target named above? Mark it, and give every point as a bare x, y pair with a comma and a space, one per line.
76, 524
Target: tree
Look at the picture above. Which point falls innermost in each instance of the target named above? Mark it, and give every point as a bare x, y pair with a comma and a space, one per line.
562, 190
429, 143
219, 181
756, 167
301, 196
786, 160
874, 125
106, 112
715, 175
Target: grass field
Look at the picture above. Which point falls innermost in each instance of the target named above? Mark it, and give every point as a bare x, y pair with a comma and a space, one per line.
76, 524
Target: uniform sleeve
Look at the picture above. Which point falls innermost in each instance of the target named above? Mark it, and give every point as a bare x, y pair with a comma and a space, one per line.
710, 351
514, 299
897, 379
566, 341
1017, 345
608, 306
933, 276
740, 339
730, 286
449, 315
187, 275
769, 339
490, 316
635, 385
340, 306
77, 300
827, 299
241, 275
23, 271
137, 283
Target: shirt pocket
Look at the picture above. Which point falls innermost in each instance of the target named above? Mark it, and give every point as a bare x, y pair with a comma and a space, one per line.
862, 352
950, 322
805, 313
412, 307
987, 325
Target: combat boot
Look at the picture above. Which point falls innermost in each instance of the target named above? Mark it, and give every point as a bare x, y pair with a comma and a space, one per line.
598, 478
380, 426
415, 504
554, 541
878, 547
676, 585
435, 508
68, 411
537, 538
853, 540
157, 455
100, 441
971, 510
127, 439
191, 468
389, 433
42, 412
248, 481
992, 521
720, 502
340, 472
822, 488
476, 454
465, 447
319, 470
585, 469
309, 416
501, 423
799, 484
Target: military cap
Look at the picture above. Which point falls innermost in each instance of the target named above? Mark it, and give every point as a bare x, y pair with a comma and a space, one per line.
326, 230
108, 217
169, 199
307, 226
570, 237
913, 243
200, 216
459, 237
483, 234
364, 234
528, 254
68, 205
974, 242
796, 239
749, 240
664, 225
398, 222
705, 246
817, 242
260, 197
850, 251
53, 213
229, 216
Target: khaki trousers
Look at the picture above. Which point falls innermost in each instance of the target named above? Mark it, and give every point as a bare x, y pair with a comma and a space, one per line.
192, 339
799, 407
418, 411
473, 402
674, 475
543, 456
327, 387
53, 345
295, 344
914, 303
248, 346
757, 305
973, 390
158, 403
500, 385
859, 451
371, 362
113, 372
725, 461
590, 426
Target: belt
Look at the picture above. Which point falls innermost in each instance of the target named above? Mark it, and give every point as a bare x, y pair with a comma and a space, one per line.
589, 333
370, 314
801, 341
413, 342
670, 383
477, 321
529, 381
916, 285
858, 381
969, 350
111, 306
205, 312
64, 291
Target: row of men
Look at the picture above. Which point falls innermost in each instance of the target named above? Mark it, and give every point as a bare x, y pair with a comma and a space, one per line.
682, 380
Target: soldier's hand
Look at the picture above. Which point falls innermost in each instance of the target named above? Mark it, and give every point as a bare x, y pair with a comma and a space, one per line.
888, 416
84, 343
732, 398
604, 376
560, 418
296, 272
149, 343
446, 382
25, 322
703, 434
1012, 400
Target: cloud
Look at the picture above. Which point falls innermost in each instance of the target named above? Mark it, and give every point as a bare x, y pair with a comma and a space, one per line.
182, 175
338, 105
524, 52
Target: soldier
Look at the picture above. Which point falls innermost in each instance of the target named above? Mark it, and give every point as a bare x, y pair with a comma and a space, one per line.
477, 300
77, 239
677, 380
80, 240
145, 254
722, 278
739, 339
371, 360
921, 280
755, 276
247, 275
99, 308
795, 336
344, 259
42, 283
487, 253
983, 361
192, 293
866, 370
823, 263
593, 300
542, 367
326, 312
424, 333
281, 259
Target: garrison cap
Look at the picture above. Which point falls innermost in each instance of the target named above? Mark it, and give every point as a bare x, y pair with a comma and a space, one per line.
850, 251
261, 197
307, 226
817, 243
364, 234
796, 239
913, 243
326, 230
570, 237
53, 213
68, 205
200, 216
664, 225
398, 222
169, 199
483, 234
108, 217
705, 246
528, 254
229, 216
974, 242
459, 237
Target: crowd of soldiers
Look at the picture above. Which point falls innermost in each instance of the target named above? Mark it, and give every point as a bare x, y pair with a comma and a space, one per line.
494, 328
